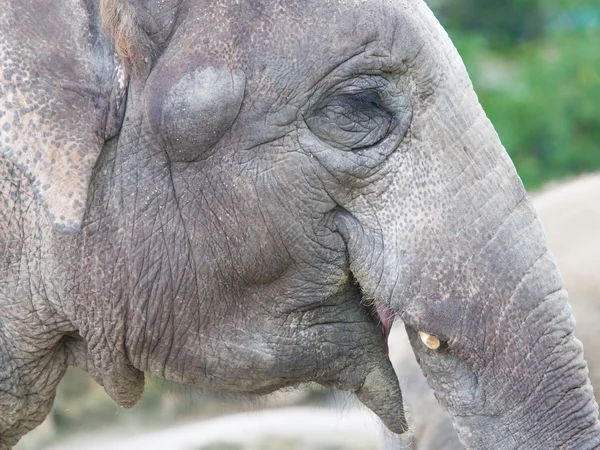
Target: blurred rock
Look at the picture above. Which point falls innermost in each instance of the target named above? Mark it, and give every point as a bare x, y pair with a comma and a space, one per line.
570, 214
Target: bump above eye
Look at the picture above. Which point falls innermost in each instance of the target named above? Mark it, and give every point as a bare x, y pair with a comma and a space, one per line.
193, 112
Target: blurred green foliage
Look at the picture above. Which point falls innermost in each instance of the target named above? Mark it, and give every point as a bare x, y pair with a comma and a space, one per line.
503, 22
541, 89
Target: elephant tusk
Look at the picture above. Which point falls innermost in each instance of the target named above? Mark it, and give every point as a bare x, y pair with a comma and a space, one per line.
430, 341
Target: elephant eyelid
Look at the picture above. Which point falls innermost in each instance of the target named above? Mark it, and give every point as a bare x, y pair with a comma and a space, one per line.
352, 120
364, 100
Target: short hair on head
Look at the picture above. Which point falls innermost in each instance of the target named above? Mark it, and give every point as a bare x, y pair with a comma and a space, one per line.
134, 47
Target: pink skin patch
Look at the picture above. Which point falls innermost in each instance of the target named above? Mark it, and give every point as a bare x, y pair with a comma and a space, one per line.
386, 317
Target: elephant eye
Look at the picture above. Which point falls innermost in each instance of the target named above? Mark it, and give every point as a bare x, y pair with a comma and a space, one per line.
352, 121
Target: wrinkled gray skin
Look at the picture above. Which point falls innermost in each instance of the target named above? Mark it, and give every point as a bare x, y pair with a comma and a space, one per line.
570, 214
277, 168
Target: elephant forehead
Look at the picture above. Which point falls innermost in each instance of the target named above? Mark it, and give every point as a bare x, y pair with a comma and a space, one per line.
306, 39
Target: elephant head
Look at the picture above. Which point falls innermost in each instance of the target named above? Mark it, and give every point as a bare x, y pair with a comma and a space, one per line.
247, 197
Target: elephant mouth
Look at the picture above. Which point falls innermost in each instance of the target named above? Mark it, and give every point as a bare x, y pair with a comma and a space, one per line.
386, 318
383, 317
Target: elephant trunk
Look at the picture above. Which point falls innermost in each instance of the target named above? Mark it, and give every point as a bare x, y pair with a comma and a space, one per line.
471, 271
529, 390
448, 241
509, 369
533, 387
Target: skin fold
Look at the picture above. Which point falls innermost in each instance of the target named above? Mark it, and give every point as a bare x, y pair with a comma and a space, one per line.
240, 195
570, 215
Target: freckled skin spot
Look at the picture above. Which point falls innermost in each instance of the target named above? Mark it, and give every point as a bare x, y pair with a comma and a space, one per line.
45, 106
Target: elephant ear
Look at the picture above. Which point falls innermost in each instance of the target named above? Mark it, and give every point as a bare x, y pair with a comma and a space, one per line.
61, 97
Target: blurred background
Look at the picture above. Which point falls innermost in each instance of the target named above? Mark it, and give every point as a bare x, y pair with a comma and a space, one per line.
535, 65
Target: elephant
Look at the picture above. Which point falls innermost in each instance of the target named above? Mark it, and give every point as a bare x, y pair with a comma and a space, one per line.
244, 195
570, 215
